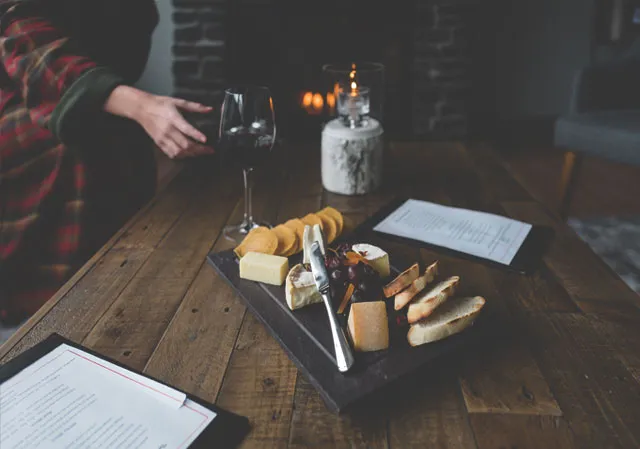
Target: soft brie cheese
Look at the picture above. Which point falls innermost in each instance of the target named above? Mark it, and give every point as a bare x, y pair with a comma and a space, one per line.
369, 326
311, 234
300, 289
377, 257
264, 268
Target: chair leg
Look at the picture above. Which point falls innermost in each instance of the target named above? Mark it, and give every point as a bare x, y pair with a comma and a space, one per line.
570, 169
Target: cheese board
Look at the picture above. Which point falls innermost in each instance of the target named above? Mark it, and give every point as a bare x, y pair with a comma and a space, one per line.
299, 321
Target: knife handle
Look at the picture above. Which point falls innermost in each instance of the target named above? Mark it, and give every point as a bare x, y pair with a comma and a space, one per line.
344, 355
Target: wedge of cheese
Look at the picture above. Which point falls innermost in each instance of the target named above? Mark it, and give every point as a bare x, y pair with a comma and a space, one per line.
264, 268
311, 234
300, 289
369, 326
426, 303
377, 257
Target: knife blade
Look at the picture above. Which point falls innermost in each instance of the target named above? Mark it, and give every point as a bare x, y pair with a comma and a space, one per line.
344, 355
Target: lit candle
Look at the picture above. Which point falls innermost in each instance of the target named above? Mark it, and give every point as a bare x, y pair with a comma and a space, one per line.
353, 107
353, 101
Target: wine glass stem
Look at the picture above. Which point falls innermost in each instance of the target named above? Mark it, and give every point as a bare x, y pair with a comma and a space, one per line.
248, 209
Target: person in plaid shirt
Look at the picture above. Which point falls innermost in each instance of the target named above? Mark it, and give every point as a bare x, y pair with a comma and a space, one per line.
76, 139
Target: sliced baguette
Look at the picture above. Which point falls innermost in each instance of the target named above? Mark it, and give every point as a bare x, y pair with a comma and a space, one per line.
405, 296
452, 317
402, 281
426, 303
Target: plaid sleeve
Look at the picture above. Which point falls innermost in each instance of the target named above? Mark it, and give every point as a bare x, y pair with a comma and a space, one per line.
68, 87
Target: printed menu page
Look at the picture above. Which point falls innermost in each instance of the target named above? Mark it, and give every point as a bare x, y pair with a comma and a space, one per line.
73, 400
480, 234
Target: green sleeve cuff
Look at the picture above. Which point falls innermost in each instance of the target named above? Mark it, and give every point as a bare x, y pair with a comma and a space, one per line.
82, 104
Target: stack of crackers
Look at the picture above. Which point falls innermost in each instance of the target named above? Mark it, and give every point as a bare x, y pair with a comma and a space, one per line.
286, 239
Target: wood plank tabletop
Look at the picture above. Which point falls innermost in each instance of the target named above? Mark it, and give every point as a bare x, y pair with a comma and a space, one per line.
566, 372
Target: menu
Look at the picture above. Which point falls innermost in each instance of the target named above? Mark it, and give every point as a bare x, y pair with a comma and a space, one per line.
480, 234
71, 399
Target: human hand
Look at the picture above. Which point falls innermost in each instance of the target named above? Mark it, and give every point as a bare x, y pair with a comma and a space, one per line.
161, 119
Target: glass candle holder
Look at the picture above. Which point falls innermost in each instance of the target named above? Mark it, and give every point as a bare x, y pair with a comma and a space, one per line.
353, 106
356, 86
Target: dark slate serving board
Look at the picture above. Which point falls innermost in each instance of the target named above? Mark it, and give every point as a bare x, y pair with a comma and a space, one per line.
305, 335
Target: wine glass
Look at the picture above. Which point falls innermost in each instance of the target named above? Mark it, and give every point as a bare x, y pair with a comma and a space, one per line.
247, 135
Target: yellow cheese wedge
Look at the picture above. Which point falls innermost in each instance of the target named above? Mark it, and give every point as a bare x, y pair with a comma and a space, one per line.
264, 268
369, 326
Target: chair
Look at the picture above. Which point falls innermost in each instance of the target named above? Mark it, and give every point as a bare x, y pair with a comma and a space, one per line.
604, 121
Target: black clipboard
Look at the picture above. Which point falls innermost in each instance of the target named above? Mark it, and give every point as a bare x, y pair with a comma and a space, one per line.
226, 431
526, 261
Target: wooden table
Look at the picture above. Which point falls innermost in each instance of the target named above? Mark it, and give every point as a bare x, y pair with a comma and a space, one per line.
565, 374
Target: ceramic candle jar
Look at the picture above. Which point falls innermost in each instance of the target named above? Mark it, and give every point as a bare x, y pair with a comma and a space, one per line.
352, 158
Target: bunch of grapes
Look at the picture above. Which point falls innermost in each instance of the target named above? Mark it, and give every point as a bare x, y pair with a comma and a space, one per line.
367, 283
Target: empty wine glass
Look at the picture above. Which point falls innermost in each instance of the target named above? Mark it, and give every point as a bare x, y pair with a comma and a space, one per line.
247, 135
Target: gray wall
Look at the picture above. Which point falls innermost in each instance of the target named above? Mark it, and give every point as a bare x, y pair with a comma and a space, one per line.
540, 45
158, 76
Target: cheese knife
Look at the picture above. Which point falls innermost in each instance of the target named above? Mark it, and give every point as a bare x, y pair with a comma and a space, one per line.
344, 355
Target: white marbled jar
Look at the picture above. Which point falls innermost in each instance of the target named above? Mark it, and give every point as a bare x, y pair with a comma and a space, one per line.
352, 158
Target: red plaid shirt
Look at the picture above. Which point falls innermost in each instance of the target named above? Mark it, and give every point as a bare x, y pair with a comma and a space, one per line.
43, 181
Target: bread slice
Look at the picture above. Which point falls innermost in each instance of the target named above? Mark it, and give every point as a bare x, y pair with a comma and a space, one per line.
452, 317
404, 297
402, 281
426, 303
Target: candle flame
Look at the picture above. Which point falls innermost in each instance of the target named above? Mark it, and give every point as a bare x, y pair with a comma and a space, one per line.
352, 77
313, 102
331, 100
306, 99
318, 101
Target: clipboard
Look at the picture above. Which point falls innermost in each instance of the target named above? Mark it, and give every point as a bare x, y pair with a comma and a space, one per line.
226, 431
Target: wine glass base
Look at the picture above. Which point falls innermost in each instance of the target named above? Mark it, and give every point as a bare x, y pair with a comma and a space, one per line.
237, 233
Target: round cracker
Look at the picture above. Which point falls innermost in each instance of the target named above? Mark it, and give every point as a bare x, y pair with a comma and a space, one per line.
287, 240
329, 227
259, 240
312, 219
298, 227
337, 216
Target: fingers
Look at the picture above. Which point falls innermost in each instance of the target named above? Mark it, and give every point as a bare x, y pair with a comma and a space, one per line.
169, 147
183, 144
191, 106
187, 129
201, 150
185, 147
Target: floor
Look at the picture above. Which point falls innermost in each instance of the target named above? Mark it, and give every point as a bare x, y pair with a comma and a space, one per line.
605, 211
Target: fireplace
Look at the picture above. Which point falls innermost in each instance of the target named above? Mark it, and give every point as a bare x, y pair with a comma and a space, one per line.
437, 57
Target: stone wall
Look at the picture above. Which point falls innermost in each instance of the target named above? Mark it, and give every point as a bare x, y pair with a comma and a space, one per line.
440, 64
199, 50
441, 69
